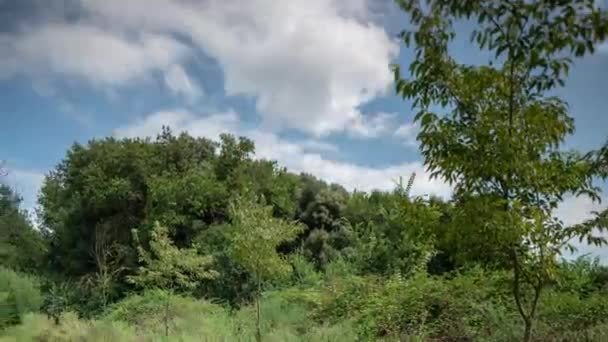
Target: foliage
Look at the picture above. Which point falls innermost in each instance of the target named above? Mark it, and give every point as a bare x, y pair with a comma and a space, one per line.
145, 312
120, 184
138, 317
22, 247
397, 237
470, 305
465, 307
19, 295
39, 328
304, 273
60, 297
235, 285
566, 313
255, 237
380, 266
166, 266
583, 276
500, 150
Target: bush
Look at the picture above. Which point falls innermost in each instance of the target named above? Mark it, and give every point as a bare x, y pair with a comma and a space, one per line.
345, 297
235, 286
468, 306
278, 317
583, 276
304, 272
150, 312
566, 316
287, 315
81, 297
19, 295
36, 327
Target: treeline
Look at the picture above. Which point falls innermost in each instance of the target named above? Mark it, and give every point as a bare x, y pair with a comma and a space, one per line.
100, 192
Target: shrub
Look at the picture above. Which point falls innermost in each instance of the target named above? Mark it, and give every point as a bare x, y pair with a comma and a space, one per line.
583, 275
304, 272
146, 313
465, 307
567, 316
36, 327
19, 295
345, 297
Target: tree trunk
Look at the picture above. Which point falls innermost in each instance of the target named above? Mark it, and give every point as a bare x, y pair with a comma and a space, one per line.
258, 334
527, 330
167, 315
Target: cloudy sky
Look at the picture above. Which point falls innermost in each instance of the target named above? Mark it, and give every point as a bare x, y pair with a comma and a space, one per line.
307, 80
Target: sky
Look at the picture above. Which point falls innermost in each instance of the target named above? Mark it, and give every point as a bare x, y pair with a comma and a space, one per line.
307, 80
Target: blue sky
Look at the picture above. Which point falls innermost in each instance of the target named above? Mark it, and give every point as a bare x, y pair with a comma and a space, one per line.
308, 81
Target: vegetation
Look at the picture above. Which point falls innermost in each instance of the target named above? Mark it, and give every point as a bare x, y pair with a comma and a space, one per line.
184, 238
254, 242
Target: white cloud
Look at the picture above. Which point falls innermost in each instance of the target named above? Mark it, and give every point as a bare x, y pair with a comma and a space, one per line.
575, 210
407, 133
371, 127
309, 63
180, 120
86, 52
315, 145
296, 156
178, 81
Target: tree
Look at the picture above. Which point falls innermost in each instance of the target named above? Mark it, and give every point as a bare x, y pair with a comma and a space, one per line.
321, 209
187, 203
255, 237
107, 256
279, 187
397, 236
126, 183
102, 183
22, 247
498, 143
232, 155
168, 267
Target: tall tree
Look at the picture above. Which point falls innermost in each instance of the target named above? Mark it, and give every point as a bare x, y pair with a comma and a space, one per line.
498, 143
126, 183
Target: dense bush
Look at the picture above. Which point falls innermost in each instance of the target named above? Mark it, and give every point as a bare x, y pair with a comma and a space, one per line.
468, 306
473, 305
564, 315
19, 295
